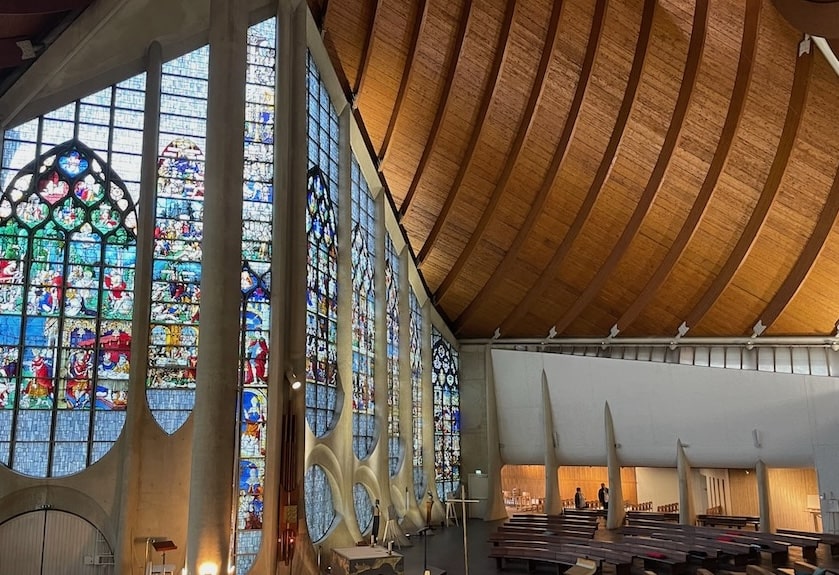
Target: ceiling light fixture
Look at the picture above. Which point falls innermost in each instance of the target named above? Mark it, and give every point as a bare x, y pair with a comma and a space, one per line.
293, 379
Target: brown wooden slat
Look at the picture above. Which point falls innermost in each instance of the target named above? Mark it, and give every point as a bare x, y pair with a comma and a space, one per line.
792, 122
805, 261
536, 92
721, 154
671, 140
366, 52
550, 178
422, 14
18, 7
603, 169
466, 161
442, 107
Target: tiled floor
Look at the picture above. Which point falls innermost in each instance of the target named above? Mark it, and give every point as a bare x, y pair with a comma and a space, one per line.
445, 551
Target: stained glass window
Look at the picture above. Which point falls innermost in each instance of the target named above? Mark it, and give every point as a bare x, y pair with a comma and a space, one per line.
363, 507
363, 314
444, 379
257, 226
68, 228
178, 233
392, 275
415, 354
320, 510
322, 259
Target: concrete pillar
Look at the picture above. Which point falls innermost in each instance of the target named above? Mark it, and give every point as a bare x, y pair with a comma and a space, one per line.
132, 442
380, 461
214, 444
762, 475
553, 500
616, 514
495, 504
686, 512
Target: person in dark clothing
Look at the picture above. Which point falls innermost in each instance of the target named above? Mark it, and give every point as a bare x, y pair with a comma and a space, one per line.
580, 499
603, 496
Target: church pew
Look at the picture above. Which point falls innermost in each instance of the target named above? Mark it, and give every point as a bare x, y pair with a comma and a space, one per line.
533, 555
632, 516
831, 540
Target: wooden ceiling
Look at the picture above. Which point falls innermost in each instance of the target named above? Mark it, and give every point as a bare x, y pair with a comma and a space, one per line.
587, 166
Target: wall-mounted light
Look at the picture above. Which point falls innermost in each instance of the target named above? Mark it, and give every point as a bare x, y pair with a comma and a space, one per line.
208, 568
293, 380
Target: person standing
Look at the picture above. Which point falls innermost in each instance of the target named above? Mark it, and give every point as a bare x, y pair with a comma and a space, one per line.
603, 496
580, 499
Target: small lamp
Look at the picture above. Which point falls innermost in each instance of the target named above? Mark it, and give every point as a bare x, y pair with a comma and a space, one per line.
293, 379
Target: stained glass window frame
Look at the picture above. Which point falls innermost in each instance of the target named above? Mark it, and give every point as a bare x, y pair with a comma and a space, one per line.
364, 219
393, 274
415, 345
318, 494
446, 408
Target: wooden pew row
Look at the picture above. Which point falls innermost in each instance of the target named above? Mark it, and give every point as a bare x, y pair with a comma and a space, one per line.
572, 512
738, 553
566, 546
738, 521
831, 540
533, 555
775, 543
590, 519
524, 529
633, 516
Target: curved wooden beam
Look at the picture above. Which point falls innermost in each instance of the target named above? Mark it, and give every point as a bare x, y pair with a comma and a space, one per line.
550, 177
816, 17
745, 65
466, 161
629, 96
795, 108
365, 55
805, 261
407, 73
465, 16
31, 7
324, 10
536, 92
671, 140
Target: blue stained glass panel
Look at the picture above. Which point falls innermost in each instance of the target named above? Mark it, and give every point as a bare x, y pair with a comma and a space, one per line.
446, 388
99, 450
72, 426
107, 426
363, 505
415, 353
320, 511
68, 458
31, 458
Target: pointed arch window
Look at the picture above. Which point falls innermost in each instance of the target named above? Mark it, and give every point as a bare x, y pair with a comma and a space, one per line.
178, 235
363, 315
415, 354
392, 278
257, 247
68, 247
446, 386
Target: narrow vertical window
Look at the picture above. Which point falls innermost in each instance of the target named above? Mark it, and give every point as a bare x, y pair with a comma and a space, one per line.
257, 230
178, 234
320, 509
392, 277
68, 228
444, 379
322, 260
415, 351
363, 315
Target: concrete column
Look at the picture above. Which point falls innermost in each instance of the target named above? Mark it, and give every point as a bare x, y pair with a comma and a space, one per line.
132, 442
214, 443
495, 504
686, 512
428, 417
380, 461
406, 398
762, 475
553, 500
616, 513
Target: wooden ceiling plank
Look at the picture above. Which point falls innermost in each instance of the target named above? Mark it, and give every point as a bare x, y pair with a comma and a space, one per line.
366, 54
27, 7
792, 122
536, 93
465, 16
557, 161
582, 216
736, 106
419, 25
804, 262
480, 121
671, 140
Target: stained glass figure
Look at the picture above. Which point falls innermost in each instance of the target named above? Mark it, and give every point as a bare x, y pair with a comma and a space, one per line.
178, 234
321, 307
415, 354
392, 277
66, 299
257, 230
363, 315
322, 386
446, 387
320, 509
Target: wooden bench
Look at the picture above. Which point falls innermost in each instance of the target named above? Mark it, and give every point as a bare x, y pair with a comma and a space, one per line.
552, 530
533, 554
633, 516
574, 512
566, 546
831, 540
737, 553
738, 521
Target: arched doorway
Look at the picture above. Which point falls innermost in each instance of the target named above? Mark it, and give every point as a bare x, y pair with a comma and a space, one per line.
51, 542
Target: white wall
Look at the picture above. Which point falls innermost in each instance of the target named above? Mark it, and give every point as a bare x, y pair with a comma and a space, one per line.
657, 484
